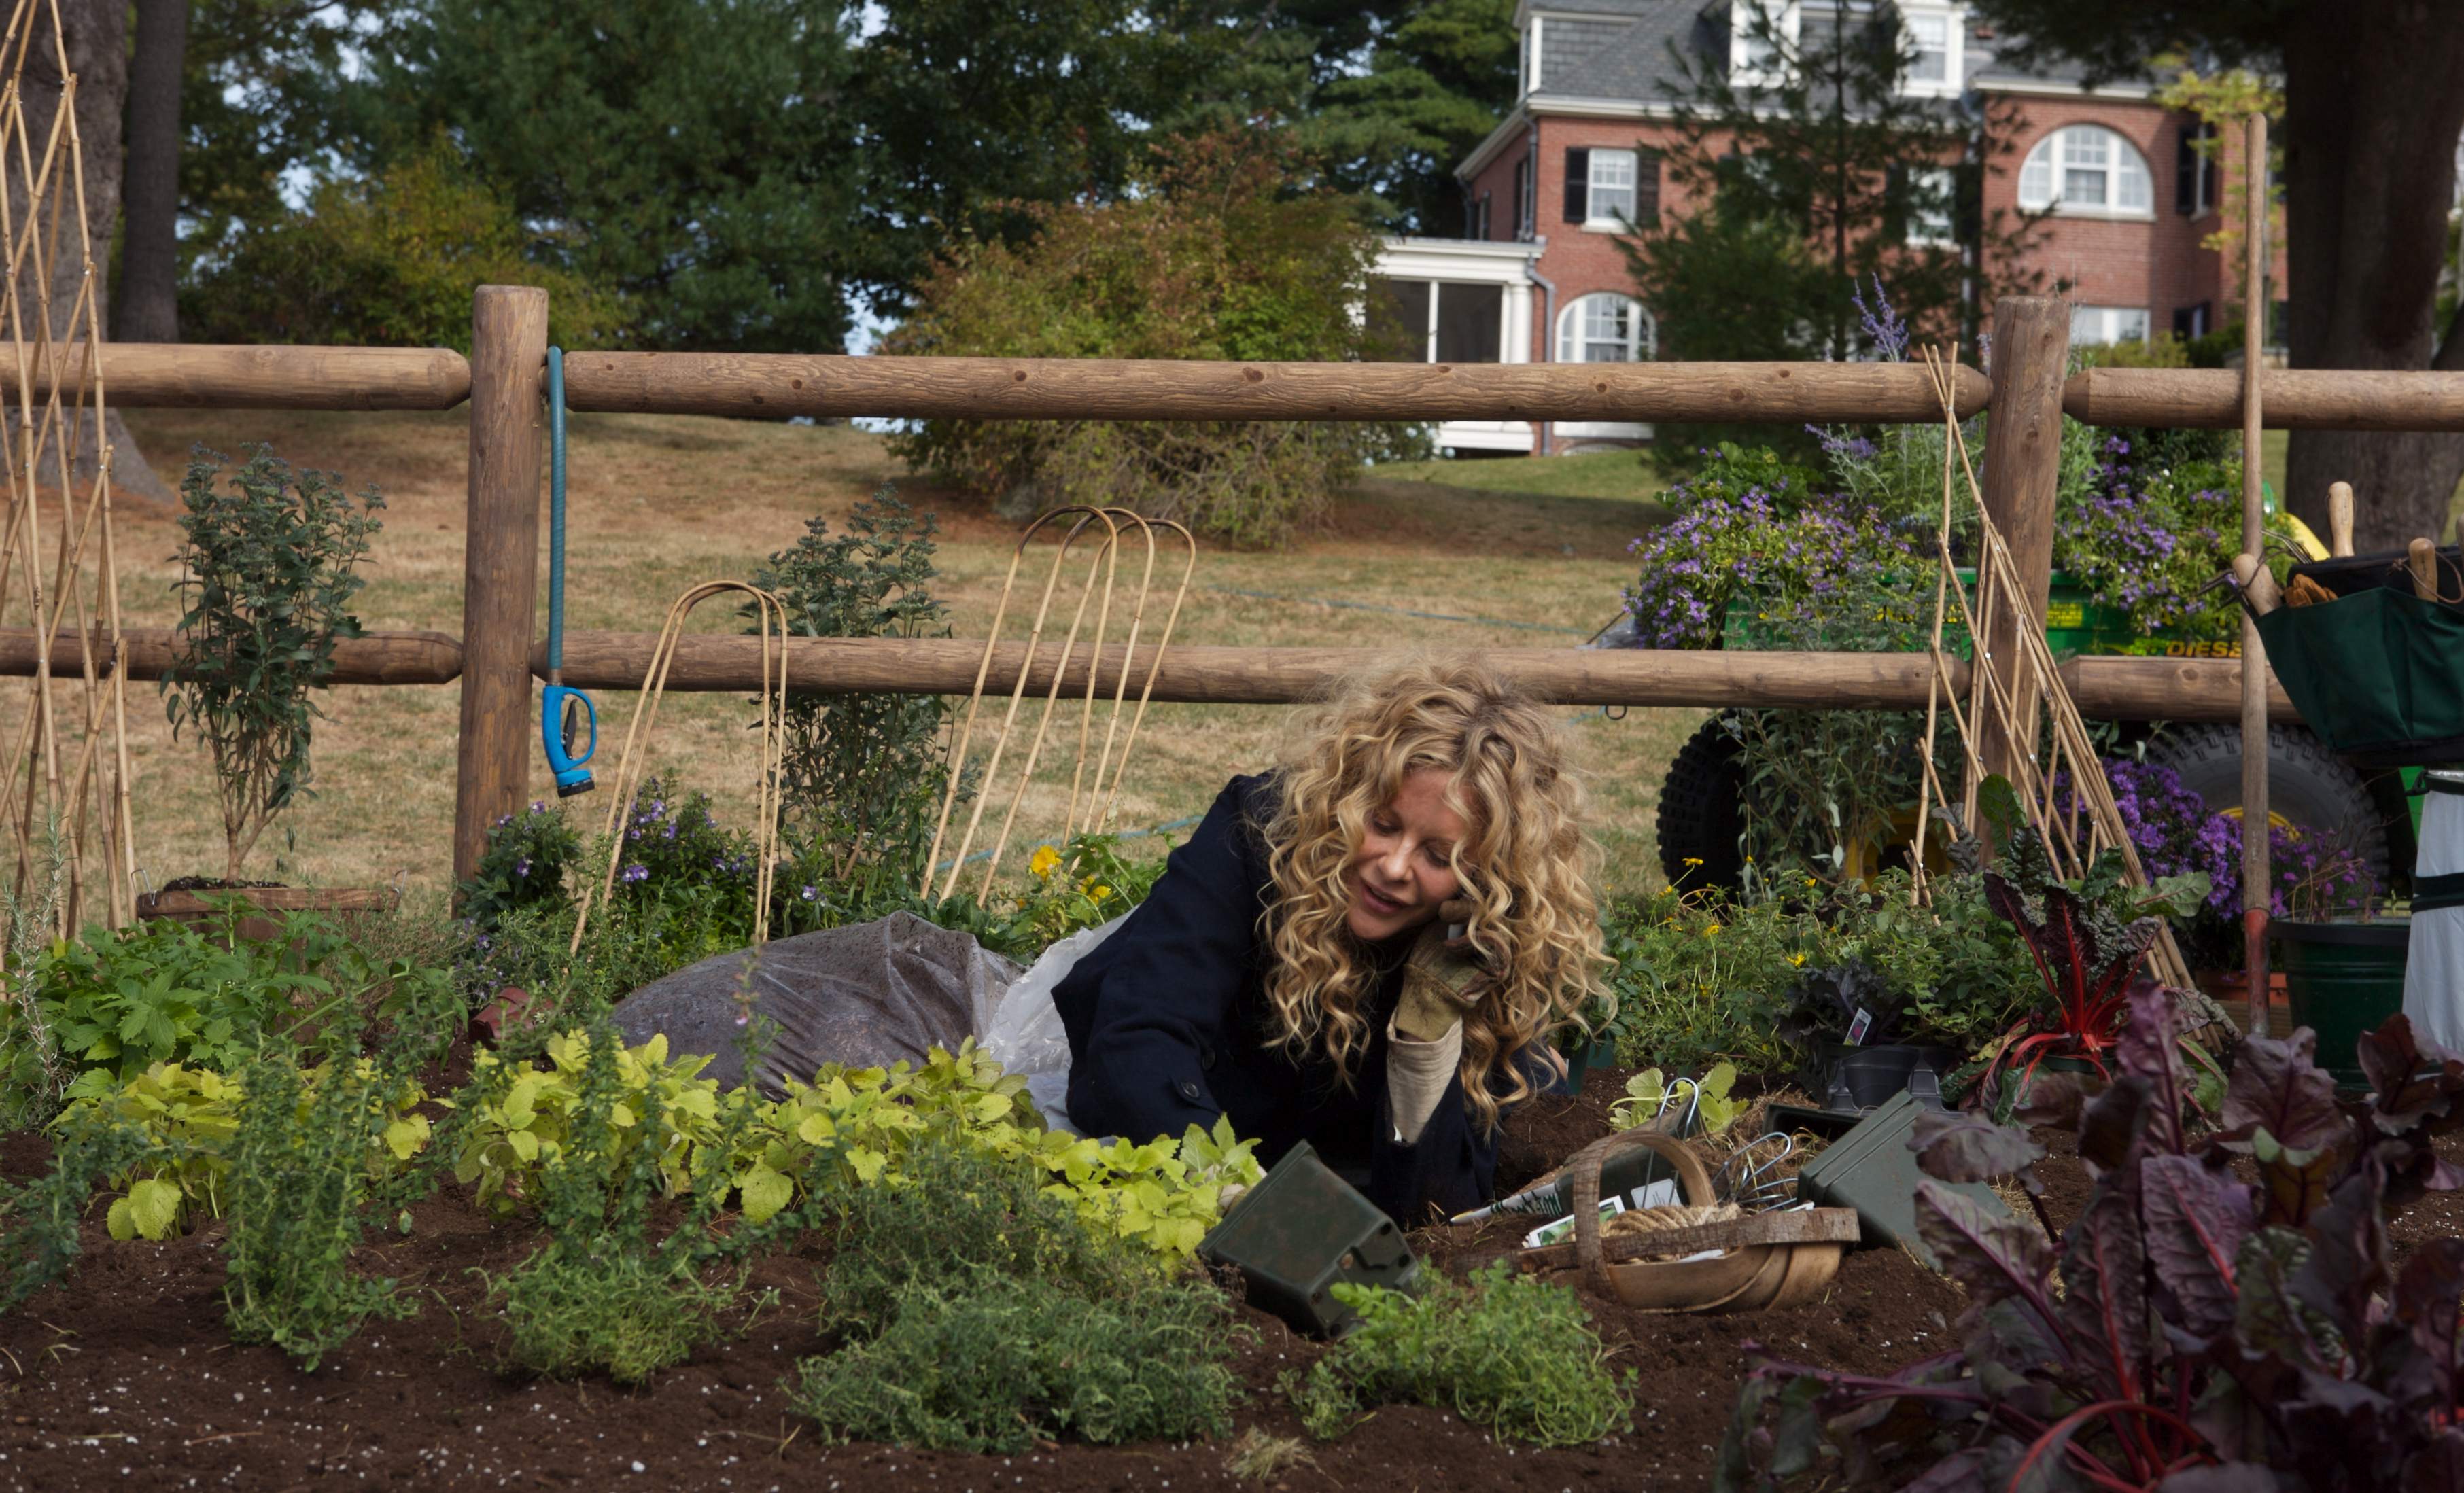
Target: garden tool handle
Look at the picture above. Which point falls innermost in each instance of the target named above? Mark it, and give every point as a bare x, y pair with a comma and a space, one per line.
2257, 584
1692, 1179
2421, 558
2339, 520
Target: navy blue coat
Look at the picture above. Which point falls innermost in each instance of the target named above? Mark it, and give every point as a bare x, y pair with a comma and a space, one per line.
1170, 1026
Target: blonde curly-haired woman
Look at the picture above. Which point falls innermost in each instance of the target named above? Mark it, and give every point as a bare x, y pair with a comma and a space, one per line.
1367, 949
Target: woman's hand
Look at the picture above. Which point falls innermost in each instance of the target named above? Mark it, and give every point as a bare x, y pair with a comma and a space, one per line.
1444, 976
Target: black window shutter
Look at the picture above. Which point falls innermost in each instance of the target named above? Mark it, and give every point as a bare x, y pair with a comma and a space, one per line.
1646, 187
2187, 163
1578, 184
1896, 191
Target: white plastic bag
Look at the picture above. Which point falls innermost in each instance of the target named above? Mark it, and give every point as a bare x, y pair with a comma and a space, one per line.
1024, 1034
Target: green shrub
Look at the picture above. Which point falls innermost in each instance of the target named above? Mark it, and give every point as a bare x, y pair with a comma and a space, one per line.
861, 775
956, 1211
299, 1185
268, 566
603, 1296
389, 260
603, 1309
1514, 1354
116, 1002
986, 1313
987, 1362
1220, 251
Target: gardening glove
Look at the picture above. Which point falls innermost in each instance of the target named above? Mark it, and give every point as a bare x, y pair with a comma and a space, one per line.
1442, 979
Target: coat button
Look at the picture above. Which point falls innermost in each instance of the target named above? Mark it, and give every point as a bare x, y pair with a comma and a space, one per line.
1206, 1059
1190, 1091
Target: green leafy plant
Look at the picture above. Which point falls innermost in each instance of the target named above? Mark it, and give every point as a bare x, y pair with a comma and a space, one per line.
2223, 1313
1648, 1094
603, 1296
298, 1182
523, 865
268, 566
860, 775
1514, 1354
986, 1313
118, 1002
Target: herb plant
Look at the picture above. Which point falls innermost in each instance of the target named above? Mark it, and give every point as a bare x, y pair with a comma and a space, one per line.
2223, 1314
984, 1314
1516, 1355
269, 564
298, 1183
861, 778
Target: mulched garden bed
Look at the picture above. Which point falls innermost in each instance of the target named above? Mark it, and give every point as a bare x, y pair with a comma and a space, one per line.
123, 1376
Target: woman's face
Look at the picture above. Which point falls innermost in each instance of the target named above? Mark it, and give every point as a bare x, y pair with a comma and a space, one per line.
1401, 871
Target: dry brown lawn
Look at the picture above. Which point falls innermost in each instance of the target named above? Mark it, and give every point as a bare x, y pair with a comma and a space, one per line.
658, 503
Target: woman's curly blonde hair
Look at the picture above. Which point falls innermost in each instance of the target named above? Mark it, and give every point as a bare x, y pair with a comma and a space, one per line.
1523, 866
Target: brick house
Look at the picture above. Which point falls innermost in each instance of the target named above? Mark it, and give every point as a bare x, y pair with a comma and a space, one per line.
1538, 275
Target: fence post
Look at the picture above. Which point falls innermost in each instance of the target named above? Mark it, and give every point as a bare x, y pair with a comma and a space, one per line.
2023, 453
499, 562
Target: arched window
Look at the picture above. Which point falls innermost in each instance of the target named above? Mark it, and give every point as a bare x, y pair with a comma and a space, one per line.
2088, 169
1605, 327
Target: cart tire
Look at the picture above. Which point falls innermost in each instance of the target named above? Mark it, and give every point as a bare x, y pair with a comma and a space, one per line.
1700, 816
2306, 783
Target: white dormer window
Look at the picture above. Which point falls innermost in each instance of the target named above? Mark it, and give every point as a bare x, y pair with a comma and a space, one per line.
1753, 26
2087, 170
1934, 37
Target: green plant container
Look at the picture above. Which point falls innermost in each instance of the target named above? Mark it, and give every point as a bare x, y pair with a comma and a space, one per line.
2341, 980
1301, 1231
1871, 1169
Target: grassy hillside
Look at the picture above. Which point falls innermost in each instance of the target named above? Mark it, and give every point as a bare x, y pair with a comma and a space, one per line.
658, 503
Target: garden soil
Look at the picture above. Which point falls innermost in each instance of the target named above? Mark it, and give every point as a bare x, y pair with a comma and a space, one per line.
121, 1376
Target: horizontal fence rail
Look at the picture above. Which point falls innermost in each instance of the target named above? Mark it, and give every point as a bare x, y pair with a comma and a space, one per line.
2115, 689
2289, 399
200, 376
377, 658
1086, 388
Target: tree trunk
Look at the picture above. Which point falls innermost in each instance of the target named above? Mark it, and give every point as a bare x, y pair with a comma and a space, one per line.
96, 34
146, 307
2370, 170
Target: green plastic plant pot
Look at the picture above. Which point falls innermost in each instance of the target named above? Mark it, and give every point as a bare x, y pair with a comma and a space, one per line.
2341, 980
1303, 1230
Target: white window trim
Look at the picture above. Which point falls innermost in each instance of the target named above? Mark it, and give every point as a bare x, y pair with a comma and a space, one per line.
1531, 60
1741, 68
1954, 62
2107, 315
1593, 222
1947, 178
2049, 143
1644, 344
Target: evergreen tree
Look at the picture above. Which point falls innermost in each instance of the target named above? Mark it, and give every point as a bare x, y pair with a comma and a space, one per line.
1809, 170
694, 156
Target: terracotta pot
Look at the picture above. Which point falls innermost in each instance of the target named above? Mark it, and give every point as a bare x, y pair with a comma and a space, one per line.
192, 907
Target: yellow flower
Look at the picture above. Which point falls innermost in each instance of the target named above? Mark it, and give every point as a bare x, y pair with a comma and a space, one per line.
1043, 861
1710, 930
1099, 894
1693, 860
1810, 881
1796, 958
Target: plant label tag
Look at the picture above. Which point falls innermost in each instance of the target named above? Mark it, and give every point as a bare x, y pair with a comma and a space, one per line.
1563, 1229
1859, 1025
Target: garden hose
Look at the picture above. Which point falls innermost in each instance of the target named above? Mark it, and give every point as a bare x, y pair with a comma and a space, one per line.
562, 711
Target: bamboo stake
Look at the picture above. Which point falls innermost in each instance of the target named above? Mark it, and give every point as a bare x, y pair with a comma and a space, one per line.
2255, 875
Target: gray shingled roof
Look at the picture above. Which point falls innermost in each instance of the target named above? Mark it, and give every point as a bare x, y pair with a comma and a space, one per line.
1620, 49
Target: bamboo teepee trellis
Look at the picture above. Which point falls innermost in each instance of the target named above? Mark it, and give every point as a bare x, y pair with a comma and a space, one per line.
2051, 762
69, 811
1090, 803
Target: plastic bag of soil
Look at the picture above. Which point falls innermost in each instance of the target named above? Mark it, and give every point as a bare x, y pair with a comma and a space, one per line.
867, 994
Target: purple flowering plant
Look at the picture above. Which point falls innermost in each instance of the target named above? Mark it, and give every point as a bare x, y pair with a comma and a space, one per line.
2148, 538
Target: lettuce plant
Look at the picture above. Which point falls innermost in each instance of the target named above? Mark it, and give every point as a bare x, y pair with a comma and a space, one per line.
2223, 1314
